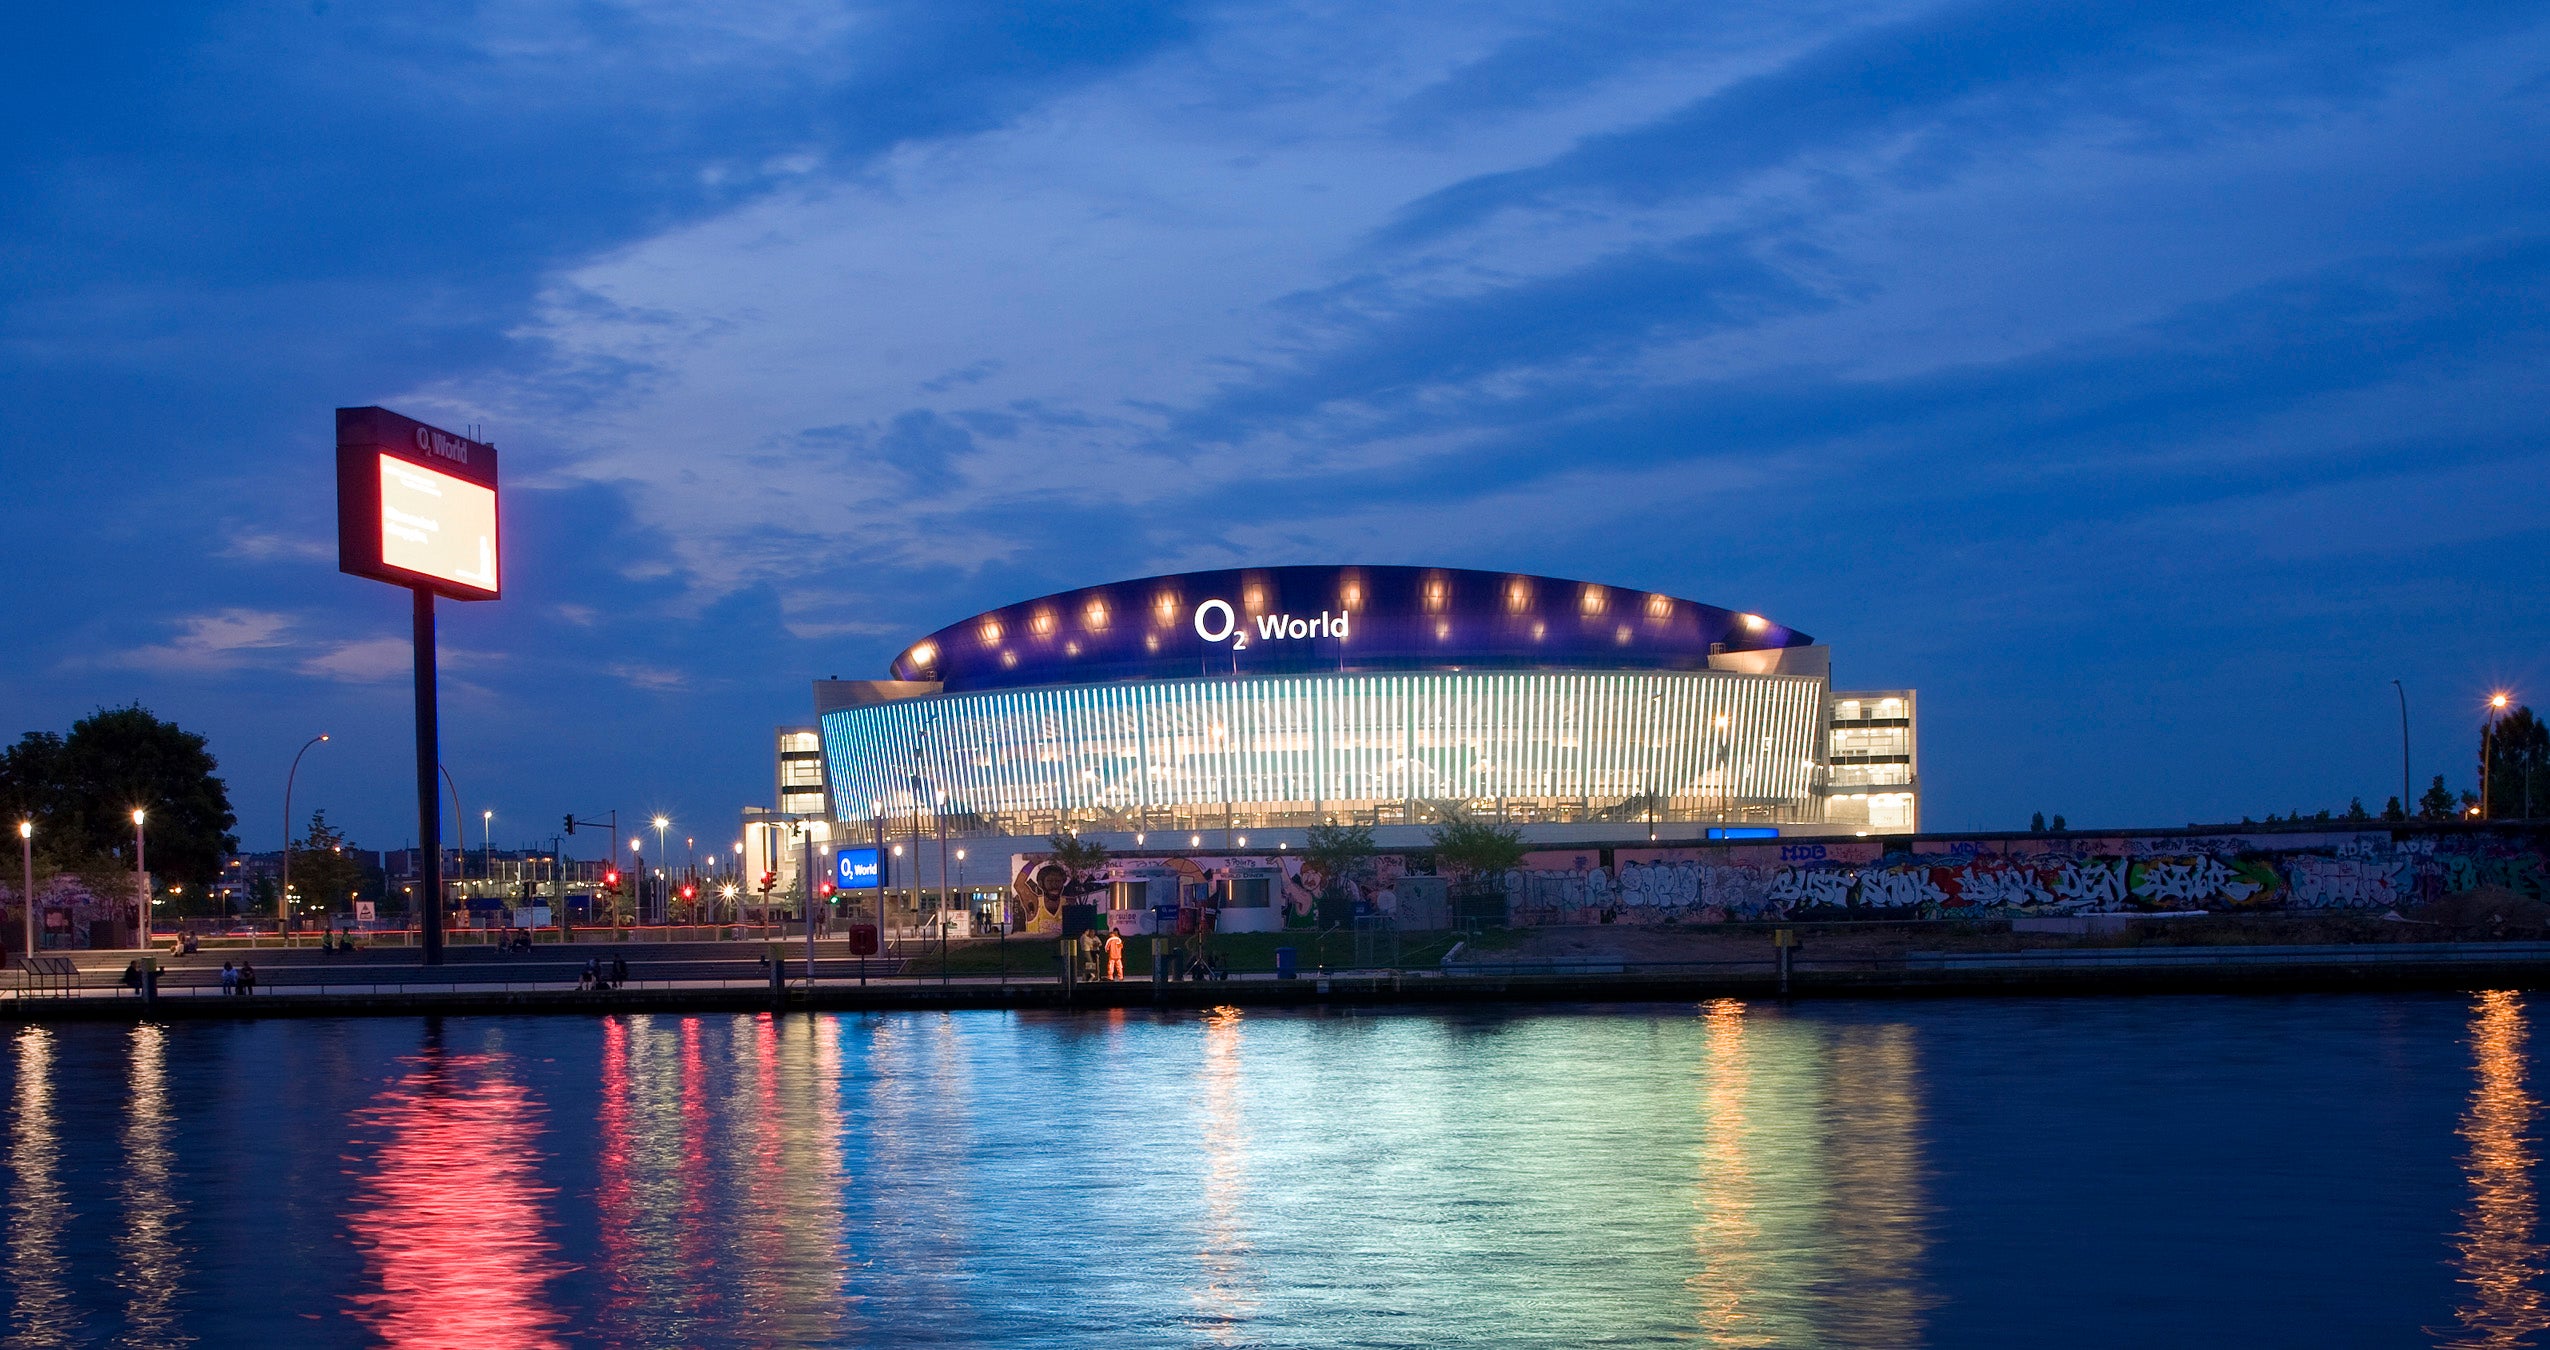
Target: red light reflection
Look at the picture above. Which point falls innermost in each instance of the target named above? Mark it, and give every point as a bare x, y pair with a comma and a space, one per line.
451, 1223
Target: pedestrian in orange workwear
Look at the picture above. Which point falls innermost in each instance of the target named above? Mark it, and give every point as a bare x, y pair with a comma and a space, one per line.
1115, 956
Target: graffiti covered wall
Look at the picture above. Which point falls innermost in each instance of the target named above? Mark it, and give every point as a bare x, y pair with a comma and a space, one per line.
2026, 874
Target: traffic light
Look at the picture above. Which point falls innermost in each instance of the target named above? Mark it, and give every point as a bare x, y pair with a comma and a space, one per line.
769, 882
611, 881
571, 822
690, 892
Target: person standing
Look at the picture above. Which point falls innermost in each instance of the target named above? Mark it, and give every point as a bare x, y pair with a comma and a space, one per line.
229, 978
1115, 956
247, 977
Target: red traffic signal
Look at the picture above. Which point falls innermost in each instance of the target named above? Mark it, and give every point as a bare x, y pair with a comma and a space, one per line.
690, 892
827, 888
768, 881
611, 881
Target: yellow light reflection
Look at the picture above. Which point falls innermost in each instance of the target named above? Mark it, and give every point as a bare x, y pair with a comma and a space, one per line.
1224, 1298
1727, 1237
2500, 1262
42, 1313
152, 1264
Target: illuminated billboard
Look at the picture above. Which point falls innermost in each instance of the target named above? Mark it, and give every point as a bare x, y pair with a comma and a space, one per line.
856, 869
416, 505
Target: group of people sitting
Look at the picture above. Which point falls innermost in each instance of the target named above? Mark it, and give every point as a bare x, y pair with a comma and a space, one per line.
597, 976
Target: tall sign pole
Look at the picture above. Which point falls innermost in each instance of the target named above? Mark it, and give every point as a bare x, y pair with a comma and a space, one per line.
429, 792
417, 508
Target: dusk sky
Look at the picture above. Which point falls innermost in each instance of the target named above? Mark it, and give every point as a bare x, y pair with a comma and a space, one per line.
2146, 384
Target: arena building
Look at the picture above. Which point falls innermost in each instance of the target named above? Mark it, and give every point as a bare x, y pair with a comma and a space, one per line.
1201, 708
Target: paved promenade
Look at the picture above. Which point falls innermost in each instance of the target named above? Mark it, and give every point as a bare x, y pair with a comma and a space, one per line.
735, 977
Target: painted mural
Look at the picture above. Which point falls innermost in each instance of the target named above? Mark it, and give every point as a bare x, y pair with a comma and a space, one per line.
2226, 873
2337, 871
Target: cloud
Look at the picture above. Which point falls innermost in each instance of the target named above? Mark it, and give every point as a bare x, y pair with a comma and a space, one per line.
363, 661
224, 640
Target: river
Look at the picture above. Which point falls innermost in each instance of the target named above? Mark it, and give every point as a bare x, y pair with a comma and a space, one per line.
2310, 1171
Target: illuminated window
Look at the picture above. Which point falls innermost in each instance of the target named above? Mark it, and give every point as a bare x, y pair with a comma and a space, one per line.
990, 632
1754, 623
1097, 614
1071, 649
1254, 596
1518, 596
925, 655
1593, 600
1659, 607
1351, 594
1438, 594
1042, 623
1165, 605
1621, 635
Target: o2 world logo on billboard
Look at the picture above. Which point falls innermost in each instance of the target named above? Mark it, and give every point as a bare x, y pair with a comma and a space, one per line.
1216, 621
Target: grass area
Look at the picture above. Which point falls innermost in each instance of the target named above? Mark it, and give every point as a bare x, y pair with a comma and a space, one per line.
1242, 953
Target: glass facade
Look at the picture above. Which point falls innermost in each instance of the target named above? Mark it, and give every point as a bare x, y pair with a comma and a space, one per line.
1871, 784
1377, 749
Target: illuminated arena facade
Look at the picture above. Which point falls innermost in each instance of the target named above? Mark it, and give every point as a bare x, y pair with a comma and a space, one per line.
1272, 699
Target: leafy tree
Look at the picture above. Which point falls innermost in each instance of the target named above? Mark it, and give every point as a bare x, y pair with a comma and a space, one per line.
1338, 851
2355, 809
1474, 850
81, 790
2393, 811
2516, 760
325, 869
2059, 824
2036, 823
2437, 802
1079, 859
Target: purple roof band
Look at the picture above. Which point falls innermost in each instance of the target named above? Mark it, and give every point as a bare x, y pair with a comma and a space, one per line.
1305, 620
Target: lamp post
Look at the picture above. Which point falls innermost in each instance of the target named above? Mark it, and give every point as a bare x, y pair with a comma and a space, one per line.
26, 897
486, 847
660, 824
2407, 806
283, 892
2487, 754
141, 884
637, 873
1655, 708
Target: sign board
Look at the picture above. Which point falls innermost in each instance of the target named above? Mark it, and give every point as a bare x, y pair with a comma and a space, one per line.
365, 912
857, 869
416, 505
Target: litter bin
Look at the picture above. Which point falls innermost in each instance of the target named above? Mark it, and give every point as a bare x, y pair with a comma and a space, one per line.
1283, 963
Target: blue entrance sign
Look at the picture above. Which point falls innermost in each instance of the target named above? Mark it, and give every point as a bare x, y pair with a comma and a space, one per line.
856, 869
1744, 831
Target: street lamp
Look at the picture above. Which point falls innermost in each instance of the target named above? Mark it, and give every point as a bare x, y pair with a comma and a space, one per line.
141, 882
660, 823
283, 892
486, 846
26, 854
2497, 703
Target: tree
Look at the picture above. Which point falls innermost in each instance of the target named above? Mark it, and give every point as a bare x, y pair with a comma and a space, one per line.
2392, 810
2517, 765
2437, 802
325, 870
2036, 823
1475, 850
2355, 809
2059, 825
81, 789
1079, 859
1338, 851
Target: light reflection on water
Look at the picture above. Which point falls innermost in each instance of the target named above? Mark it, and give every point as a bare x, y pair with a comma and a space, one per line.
150, 1264
449, 1209
2501, 1262
41, 1311
1733, 1174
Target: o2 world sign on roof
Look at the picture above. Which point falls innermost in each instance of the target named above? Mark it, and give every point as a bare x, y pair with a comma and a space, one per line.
1216, 621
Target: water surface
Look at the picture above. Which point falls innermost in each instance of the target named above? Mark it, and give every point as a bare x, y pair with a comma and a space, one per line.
2324, 1170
